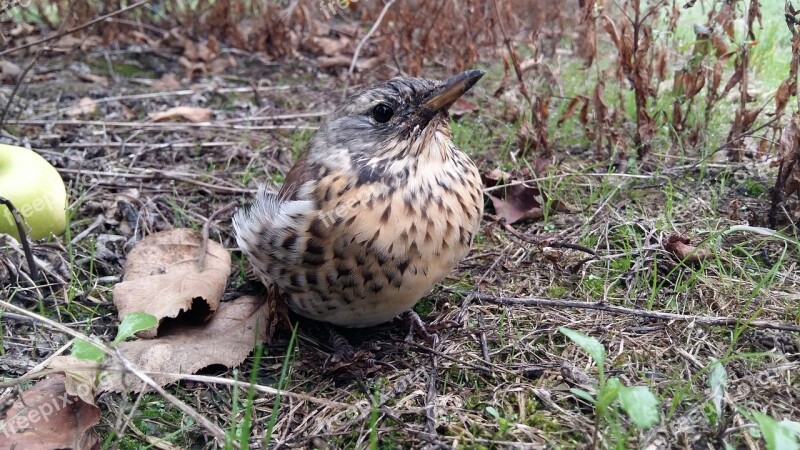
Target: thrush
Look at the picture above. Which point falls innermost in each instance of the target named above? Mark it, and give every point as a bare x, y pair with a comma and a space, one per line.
378, 210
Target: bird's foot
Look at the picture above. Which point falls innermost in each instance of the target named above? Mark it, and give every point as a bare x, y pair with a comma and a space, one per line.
341, 346
345, 354
427, 332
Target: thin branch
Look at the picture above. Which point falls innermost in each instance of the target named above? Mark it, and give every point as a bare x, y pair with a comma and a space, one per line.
211, 427
364, 41
73, 30
201, 258
26, 245
601, 306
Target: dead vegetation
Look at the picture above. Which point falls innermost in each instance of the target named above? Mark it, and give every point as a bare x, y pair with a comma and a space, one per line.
631, 205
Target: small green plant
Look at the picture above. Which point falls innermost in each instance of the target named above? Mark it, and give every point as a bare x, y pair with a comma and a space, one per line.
783, 435
504, 423
131, 324
640, 405
778, 435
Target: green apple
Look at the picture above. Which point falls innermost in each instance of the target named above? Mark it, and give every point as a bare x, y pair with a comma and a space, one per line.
36, 190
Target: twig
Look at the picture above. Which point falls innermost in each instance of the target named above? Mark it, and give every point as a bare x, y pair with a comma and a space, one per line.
26, 245
201, 257
600, 306
78, 28
364, 41
213, 428
162, 125
178, 93
130, 367
17, 85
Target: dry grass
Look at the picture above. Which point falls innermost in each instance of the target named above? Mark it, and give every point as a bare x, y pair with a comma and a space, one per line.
500, 380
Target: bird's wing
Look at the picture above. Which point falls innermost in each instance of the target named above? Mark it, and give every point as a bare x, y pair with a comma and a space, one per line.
300, 174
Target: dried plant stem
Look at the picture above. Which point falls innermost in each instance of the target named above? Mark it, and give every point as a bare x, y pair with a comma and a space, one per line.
211, 427
201, 257
601, 306
364, 41
26, 245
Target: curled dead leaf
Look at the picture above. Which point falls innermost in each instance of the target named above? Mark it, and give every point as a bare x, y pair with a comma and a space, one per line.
190, 113
85, 107
226, 339
684, 251
167, 82
47, 417
93, 78
515, 201
163, 277
9, 71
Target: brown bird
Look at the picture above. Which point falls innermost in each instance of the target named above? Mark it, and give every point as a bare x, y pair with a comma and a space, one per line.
380, 208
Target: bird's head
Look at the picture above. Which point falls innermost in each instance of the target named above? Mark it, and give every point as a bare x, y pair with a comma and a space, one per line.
392, 120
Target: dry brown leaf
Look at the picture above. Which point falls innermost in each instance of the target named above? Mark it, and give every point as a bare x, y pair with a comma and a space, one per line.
167, 82
329, 46
463, 107
684, 251
517, 202
363, 64
9, 71
190, 113
162, 276
193, 69
226, 339
85, 107
221, 64
46, 417
93, 78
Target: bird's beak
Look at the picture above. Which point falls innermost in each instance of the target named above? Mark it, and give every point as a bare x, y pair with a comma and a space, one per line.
445, 95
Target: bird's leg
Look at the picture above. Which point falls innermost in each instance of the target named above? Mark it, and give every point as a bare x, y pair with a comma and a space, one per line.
341, 346
415, 324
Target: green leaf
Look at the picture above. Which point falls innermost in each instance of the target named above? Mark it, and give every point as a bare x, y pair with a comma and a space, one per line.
86, 351
790, 425
492, 411
717, 381
607, 394
133, 323
640, 404
580, 393
590, 345
778, 435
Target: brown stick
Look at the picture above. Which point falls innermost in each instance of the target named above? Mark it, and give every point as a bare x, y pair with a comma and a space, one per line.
26, 245
601, 306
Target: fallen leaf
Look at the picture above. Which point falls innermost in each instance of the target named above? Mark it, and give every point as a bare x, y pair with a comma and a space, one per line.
93, 78
684, 251
193, 69
463, 107
515, 201
47, 417
85, 107
9, 71
167, 82
190, 113
221, 64
162, 277
329, 46
226, 340
363, 64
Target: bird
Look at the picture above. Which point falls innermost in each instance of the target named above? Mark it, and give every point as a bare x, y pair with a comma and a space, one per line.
380, 207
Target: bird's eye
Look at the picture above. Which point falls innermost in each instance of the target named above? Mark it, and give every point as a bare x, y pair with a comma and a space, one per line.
382, 113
